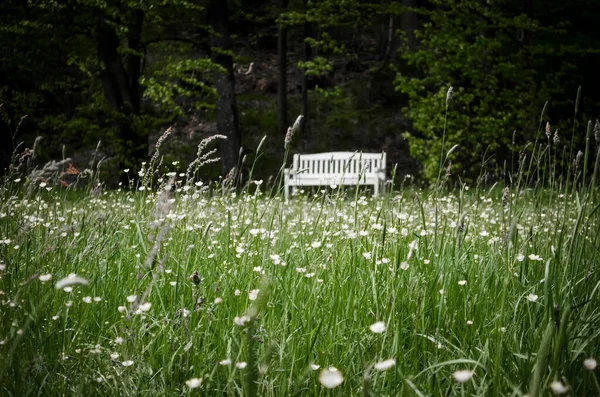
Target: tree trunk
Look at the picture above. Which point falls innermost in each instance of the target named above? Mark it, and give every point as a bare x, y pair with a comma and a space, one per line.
6, 141
227, 114
389, 41
306, 53
485, 34
410, 23
134, 58
121, 89
282, 106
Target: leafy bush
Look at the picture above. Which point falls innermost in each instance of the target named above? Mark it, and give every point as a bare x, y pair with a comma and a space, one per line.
471, 46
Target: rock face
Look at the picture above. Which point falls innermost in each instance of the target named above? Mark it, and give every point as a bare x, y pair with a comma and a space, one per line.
266, 86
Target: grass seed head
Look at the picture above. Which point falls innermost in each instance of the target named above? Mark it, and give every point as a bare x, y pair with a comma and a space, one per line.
291, 131
70, 281
195, 278
449, 94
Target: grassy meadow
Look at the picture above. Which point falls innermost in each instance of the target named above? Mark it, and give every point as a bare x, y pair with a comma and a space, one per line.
170, 287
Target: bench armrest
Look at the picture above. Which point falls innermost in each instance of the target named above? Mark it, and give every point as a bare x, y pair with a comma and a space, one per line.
288, 173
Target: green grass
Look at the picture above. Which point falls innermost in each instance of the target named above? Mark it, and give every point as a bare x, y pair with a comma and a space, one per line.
467, 297
185, 289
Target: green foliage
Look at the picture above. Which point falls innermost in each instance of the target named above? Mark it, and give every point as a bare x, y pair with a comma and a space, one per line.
319, 66
504, 59
185, 78
328, 17
53, 72
471, 47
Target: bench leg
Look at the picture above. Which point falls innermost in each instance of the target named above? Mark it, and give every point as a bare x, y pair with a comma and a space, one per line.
376, 189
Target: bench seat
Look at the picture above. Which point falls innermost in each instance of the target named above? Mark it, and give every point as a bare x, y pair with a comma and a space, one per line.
336, 168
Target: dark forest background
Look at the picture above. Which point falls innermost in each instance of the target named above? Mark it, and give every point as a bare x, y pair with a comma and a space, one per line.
367, 75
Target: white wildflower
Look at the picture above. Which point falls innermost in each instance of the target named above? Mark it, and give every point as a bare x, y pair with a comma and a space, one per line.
331, 378
463, 375
558, 388
386, 364
252, 295
45, 277
193, 383
241, 321
532, 297
378, 327
590, 364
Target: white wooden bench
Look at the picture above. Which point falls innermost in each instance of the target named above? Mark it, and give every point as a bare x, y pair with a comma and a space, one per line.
336, 168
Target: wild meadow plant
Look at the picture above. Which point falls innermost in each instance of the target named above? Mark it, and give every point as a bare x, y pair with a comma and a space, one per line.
181, 287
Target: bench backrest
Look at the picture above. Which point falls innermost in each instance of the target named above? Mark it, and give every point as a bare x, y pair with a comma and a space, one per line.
339, 163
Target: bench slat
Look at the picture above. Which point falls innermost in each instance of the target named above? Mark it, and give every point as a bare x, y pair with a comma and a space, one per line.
341, 168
